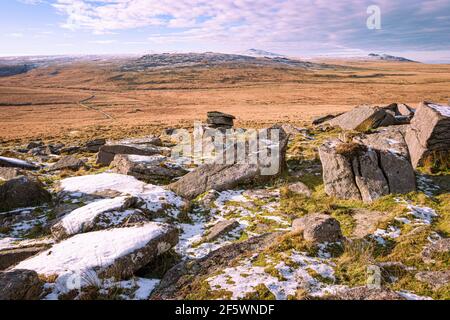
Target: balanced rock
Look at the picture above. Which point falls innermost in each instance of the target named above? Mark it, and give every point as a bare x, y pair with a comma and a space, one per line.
20, 285
318, 228
429, 133
218, 119
147, 168
22, 192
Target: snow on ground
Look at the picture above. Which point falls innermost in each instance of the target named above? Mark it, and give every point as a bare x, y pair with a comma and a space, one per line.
73, 222
15, 243
91, 251
155, 197
244, 278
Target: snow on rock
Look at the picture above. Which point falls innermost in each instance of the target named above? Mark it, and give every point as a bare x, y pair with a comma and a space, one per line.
84, 219
442, 109
114, 252
156, 198
244, 278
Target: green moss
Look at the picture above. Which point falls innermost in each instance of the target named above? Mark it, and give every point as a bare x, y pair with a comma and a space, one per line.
261, 293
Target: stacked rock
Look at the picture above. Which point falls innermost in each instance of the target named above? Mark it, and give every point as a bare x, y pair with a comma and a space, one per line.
220, 120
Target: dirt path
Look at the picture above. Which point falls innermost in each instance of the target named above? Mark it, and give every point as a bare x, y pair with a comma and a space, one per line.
81, 103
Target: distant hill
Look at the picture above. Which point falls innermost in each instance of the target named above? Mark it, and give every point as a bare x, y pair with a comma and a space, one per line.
386, 57
261, 53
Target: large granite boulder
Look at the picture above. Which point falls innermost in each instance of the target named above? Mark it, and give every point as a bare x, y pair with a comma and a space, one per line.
117, 252
20, 285
222, 177
429, 133
22, 192
369, 167
363, 118
147, 168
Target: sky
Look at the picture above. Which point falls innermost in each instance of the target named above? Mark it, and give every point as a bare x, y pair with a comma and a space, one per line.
416, 29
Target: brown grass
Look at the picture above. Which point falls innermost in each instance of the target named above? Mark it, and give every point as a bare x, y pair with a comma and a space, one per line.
40, 104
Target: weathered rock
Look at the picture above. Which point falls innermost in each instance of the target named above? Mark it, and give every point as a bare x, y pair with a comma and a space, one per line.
207, 200
222, 177
147, 168
393, 158
366, 293
400, 109
7, 173
369, 177
338, 175
299, 188
368, 168
20, 285
97, 215
117, 252
440, 247
362, 118
70, 150
22, 192
16, 163
429, 132
69, 163
219, 229
94, 145
107, 152
318, 228
13, 254
35, 144
148, 140
436, 279
219, 119
186, 273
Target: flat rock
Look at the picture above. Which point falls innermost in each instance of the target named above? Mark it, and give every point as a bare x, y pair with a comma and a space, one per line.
362, 118
68, 163
429, 132
16, 163
10, 257
22, 192
100, 214
219, 229
321, 119
318, 228
116, 252
147, 168
107, 152
20, 285
94, 145
366, 221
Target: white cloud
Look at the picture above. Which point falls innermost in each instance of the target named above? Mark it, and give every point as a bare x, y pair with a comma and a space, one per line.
32, 2
15, 35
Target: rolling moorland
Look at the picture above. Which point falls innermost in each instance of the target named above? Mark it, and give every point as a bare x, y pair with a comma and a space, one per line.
94, 205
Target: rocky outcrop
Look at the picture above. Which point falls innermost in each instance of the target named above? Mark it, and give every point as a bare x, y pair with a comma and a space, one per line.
222, 177
21, 192
429, 133
20, 285
318, 228
68, 163
369, 167
146, 168
117, 252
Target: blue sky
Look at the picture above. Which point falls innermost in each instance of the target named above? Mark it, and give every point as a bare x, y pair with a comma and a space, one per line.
304, 28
